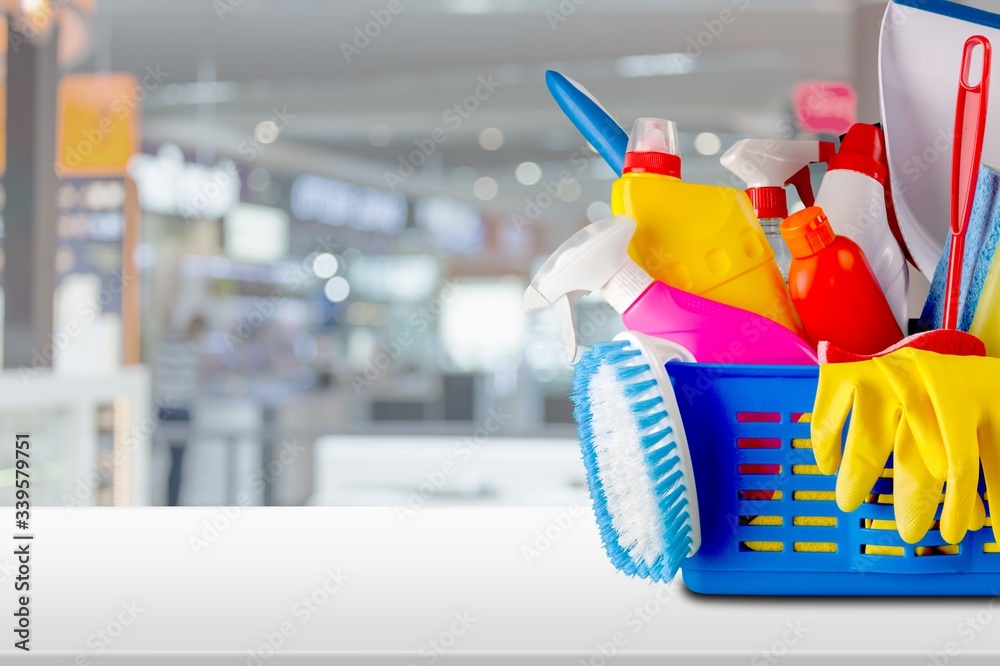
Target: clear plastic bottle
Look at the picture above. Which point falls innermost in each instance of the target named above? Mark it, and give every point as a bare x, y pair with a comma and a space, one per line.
766, 166
782, 255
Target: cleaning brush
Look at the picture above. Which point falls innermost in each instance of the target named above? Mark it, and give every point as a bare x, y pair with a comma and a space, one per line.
636, 455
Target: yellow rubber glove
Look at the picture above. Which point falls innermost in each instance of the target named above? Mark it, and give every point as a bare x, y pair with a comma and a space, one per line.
882, 396
952, 406
877, 429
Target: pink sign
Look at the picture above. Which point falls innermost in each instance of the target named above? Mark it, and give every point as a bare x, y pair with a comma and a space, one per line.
825, 106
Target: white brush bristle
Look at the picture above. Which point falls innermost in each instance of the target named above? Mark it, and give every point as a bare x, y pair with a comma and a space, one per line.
632, 501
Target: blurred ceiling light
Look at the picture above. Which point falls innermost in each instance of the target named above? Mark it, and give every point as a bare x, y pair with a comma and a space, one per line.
337, 289
485, 188
470, 6
463, 177
707, 143
38, 14
380, 135
34, 6
258, 179
325, 265
598, 210
144, 256
528, 173
661, 64
491, 138
35, 17
266, 131
570, 190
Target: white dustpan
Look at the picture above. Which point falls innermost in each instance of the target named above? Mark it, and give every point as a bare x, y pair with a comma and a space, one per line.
920, 57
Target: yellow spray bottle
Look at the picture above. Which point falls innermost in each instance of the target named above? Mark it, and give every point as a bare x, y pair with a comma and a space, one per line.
704, 239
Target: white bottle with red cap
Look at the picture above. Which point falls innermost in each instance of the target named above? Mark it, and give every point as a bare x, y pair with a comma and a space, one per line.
766, 166
853, 197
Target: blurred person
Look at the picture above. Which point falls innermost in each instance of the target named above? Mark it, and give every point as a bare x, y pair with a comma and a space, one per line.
176, 380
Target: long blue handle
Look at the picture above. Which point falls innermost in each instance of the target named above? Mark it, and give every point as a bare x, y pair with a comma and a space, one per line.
593, 121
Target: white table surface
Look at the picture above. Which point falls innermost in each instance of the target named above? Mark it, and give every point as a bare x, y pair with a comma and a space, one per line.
402, 584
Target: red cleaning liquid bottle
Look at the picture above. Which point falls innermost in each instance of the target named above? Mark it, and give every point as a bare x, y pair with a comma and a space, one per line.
834, 288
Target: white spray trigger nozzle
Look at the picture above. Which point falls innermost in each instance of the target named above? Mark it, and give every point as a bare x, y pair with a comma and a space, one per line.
564, 307
586, 263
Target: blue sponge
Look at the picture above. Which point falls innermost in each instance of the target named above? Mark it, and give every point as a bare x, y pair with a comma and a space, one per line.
980, 244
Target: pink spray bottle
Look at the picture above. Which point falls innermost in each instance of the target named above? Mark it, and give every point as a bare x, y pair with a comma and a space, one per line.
596, 259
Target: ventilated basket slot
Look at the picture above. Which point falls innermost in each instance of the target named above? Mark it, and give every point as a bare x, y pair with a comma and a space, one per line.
814, 495
882, 551
758, 443
759, 495
758, 417
756, 468
814, 521
761, 521
814, 547
934, 551
761, 547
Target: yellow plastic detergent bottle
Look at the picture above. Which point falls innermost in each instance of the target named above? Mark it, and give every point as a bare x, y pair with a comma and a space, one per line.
704, 239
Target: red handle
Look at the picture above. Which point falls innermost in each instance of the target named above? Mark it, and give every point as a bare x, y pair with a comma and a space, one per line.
970, 126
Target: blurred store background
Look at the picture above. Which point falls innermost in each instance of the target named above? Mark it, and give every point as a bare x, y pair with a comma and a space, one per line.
280, 253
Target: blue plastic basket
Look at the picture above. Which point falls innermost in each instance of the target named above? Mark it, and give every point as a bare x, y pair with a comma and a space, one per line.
758, 488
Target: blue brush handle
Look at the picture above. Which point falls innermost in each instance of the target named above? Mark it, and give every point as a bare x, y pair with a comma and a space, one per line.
586, 113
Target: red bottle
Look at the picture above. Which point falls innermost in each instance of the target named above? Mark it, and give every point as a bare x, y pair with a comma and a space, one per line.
833, 287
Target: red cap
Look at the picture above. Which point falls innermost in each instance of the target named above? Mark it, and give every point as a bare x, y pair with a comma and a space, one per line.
807, 232
652, 148
652, 162
862, 150
769, 202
